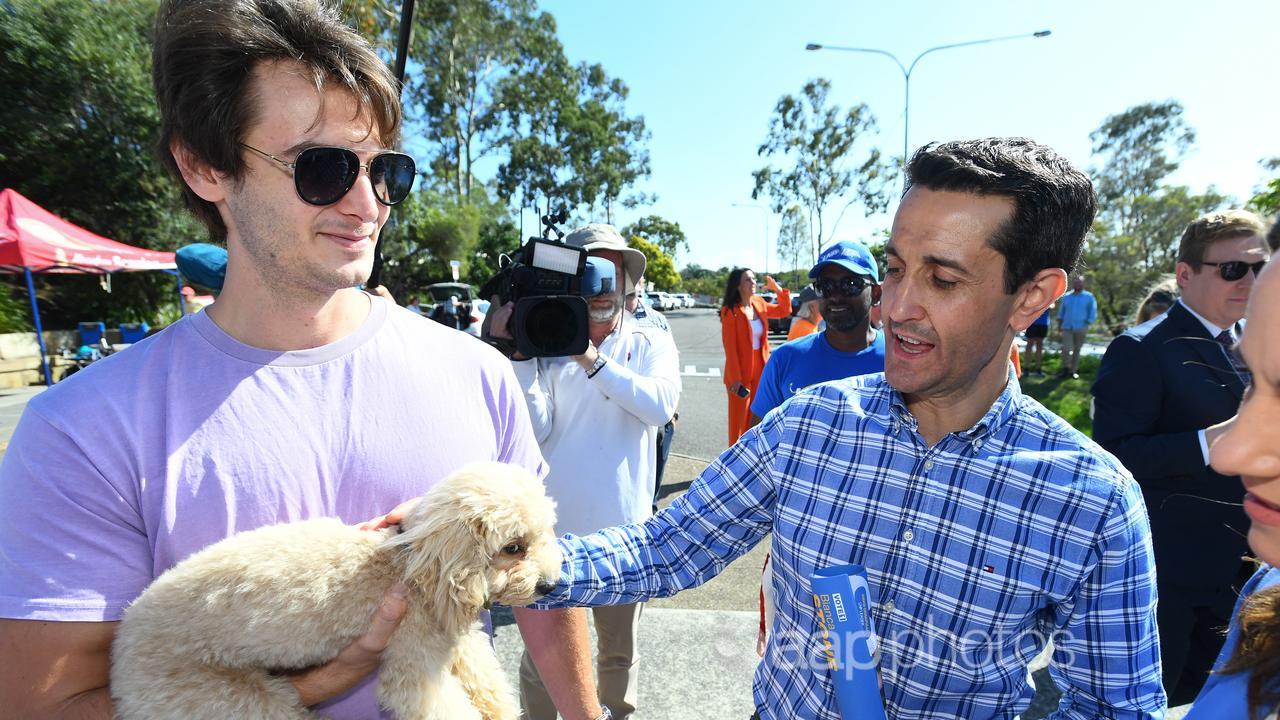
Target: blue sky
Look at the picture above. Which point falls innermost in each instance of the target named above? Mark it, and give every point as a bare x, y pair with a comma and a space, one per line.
706, 75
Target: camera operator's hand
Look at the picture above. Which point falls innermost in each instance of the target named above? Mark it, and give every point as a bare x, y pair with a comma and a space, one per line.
497, 325
382, 292
588, 358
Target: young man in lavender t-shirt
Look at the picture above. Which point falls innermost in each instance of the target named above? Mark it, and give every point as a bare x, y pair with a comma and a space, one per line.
294, 396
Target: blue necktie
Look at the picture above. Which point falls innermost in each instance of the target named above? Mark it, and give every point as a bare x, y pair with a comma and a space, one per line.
1228, 343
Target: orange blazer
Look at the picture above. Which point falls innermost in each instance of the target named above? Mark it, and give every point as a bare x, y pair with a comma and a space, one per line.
735, 332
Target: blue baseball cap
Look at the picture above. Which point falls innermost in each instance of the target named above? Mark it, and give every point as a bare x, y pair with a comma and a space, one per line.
203, 264
850, 255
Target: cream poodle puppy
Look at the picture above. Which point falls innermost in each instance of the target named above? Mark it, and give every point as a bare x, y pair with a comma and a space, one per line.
209, 637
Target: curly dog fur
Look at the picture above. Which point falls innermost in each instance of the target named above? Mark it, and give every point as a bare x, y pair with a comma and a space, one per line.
210, 637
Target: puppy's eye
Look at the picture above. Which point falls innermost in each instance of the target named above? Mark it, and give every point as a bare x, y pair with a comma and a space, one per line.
513, 549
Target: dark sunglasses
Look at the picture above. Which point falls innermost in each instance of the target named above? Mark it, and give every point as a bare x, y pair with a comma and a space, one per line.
851, 286
1235, 269
323, 175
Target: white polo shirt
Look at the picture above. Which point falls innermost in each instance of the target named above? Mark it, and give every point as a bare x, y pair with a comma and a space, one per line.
598, 434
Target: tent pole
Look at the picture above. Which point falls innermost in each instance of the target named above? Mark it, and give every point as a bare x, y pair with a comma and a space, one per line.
35, 312
182, 299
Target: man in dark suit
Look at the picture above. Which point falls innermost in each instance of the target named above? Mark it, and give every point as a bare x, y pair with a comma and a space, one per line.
1159, 399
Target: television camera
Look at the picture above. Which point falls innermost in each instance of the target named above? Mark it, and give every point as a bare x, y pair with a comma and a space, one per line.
550, 282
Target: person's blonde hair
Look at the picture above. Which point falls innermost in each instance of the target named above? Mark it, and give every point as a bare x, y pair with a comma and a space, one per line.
1213, 227
1163, 292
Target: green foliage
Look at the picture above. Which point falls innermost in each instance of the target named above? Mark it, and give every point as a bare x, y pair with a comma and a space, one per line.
1141, 147
458, 94
818, 140
1068, 398
659, 269
1140, 218
489, 80
15, 309
570, 143
666, 234
498, 236
1267, 201
704, 281
794, 240
428, 230
79, 124
1122, 267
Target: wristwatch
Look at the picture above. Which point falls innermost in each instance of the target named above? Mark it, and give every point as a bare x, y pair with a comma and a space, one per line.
591, 372
607, 714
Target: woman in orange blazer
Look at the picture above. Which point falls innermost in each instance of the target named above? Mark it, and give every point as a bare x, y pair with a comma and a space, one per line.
744, 329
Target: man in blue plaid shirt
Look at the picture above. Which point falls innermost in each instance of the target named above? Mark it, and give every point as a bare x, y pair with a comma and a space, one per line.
988, 526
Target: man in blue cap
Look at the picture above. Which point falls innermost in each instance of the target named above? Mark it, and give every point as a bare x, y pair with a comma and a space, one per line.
848, 285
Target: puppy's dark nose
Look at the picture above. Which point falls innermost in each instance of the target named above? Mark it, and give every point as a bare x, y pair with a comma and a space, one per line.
543, 587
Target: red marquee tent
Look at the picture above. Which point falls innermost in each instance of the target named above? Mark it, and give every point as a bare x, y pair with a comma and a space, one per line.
34, 240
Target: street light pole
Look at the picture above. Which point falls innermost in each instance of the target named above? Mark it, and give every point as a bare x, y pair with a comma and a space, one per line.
907, 70
764, 210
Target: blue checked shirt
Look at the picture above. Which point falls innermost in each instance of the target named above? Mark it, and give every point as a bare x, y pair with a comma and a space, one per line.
978, 550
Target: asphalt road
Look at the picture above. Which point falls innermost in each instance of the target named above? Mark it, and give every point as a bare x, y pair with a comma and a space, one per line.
703, 429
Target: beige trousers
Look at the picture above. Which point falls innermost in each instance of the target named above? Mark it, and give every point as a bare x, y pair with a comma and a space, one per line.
617, 666
1072, 341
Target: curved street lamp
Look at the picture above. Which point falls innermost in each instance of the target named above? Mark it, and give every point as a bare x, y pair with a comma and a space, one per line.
907, 69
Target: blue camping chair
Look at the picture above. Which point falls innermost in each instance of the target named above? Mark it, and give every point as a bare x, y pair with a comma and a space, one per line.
91, 333
133, 332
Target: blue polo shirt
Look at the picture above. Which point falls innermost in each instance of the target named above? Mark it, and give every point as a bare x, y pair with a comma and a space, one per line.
810, 360
1077, 310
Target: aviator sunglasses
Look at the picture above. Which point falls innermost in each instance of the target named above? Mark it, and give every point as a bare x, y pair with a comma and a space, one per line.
1233, 270
851, 286
323, 175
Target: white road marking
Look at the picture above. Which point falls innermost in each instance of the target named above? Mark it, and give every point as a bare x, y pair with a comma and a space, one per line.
692, 371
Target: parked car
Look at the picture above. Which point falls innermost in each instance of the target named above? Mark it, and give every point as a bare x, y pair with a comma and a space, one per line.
661, 300
440, 293
682, 300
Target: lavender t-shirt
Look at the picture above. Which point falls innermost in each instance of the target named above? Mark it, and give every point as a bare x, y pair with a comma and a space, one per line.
149, 455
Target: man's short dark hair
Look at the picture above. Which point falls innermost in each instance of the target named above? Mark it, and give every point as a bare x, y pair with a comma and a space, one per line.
1054, 203
203, 60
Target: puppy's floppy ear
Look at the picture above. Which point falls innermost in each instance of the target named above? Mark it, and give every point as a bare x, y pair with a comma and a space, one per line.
469, 587
445, 559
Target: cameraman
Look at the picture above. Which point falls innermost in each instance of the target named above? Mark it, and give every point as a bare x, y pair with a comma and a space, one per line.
596, 416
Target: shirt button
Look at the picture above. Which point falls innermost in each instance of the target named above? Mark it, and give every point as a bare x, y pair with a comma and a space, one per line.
908, 535
888, 606
928, 465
